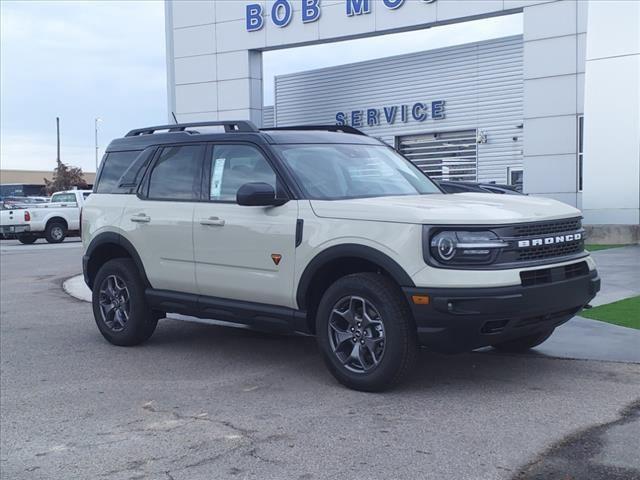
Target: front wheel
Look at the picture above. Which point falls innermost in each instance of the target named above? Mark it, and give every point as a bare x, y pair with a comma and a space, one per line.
366, 332
27, 238
523, 344
120, 308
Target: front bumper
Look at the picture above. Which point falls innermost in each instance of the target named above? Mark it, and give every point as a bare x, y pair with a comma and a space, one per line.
463, 319
14, 229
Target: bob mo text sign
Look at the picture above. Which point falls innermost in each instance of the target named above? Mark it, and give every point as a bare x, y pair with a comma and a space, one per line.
282, 11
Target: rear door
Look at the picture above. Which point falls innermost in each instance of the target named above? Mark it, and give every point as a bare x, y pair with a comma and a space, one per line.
243, 253
159, 220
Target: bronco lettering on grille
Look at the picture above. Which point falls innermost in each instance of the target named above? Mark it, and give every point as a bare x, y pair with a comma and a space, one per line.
538, 242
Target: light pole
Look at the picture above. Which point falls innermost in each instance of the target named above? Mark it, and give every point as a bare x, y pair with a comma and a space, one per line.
96, 121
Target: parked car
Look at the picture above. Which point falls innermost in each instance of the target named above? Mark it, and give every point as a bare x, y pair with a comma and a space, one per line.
13, 222
56, 219
462, 187
325, 231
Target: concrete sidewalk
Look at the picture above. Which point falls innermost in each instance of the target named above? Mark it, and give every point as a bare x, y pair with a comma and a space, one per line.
619, 269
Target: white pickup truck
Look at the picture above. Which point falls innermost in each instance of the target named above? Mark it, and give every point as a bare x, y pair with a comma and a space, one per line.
54, 220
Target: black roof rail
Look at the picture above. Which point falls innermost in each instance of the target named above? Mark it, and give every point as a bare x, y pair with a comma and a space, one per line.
327, 128
229, 126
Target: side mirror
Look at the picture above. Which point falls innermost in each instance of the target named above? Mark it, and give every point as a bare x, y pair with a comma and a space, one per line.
258, 194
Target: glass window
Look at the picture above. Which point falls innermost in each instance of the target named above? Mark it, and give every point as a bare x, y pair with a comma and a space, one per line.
234, 165
339, 171
580, 150
63, 198
516, 177
114, 165
177, 174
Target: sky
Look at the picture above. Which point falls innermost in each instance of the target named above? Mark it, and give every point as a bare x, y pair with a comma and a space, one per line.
106, 59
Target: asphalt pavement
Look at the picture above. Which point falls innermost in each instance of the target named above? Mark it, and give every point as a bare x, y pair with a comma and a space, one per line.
205, 402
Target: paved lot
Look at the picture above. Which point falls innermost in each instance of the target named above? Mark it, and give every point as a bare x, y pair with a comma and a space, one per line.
201, 401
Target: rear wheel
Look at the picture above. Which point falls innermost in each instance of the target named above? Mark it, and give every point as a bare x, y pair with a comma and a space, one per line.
366, 333
120, 308
55, 232
27, 238
523, 344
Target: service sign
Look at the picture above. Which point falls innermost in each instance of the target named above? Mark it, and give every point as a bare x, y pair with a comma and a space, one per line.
282, 14
390, 114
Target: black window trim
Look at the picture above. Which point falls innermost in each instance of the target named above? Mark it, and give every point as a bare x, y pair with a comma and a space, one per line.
142, 191
273, 163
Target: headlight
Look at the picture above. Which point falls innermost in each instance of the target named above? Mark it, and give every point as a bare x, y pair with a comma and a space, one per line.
453, 247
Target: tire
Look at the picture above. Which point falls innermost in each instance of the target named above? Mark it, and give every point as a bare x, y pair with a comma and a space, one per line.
55, 232
27, 239
121, 276
523, 344
391, 332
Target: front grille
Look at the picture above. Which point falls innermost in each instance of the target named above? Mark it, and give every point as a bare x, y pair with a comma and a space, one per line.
547, 228
531, 278
550, 251
541, 241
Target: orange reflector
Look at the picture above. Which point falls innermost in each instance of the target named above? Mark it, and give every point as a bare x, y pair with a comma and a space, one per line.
420, 299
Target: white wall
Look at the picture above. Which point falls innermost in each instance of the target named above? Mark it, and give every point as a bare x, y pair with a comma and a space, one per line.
554, 35
612, 114
215, 64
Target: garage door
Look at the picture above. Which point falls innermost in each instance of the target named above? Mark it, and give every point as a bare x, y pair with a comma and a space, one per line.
449, 156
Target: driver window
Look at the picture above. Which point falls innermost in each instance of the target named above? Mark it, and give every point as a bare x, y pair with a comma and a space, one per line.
234, 165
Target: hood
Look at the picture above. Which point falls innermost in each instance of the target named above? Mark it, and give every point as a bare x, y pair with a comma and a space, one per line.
438, 209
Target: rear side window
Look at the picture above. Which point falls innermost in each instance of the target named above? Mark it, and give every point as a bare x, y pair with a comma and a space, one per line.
63, 198
114, 165
177, 174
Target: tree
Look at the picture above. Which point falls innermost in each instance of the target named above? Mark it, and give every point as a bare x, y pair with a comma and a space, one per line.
65, 177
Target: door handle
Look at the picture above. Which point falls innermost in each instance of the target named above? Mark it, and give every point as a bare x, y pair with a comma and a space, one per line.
141, 218
212, 222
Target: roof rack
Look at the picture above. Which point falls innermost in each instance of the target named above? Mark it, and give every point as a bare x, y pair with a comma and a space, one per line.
328, 128
229, 126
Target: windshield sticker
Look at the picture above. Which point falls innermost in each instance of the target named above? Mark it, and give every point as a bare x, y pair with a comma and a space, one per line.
216, 178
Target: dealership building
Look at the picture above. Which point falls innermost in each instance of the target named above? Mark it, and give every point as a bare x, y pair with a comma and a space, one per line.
556, 109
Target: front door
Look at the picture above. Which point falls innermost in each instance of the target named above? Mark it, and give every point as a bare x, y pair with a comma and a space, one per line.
159, 222
243, 253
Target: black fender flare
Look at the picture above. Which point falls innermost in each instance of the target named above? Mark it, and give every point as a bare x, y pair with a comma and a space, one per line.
117, 239
350, 250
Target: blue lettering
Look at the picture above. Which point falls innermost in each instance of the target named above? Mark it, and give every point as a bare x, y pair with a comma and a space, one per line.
373, 117
419, 112
393, 4
390, 114
404, 114
356, 118
358, 7
281, 13
341, 119
437, 110
255, 21
310, 11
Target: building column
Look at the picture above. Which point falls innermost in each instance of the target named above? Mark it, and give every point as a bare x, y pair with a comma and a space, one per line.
554, 39
207, 80
612, 114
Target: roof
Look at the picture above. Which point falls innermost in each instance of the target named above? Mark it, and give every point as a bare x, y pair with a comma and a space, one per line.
142, 138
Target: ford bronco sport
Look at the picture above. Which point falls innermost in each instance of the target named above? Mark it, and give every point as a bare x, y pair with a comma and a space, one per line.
324, 231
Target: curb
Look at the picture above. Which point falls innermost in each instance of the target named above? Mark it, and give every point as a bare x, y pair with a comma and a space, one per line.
76, 288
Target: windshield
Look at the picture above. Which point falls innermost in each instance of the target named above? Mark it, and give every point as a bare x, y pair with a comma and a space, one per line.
339, 171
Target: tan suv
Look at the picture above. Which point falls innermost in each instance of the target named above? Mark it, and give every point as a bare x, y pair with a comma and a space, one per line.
327, 231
